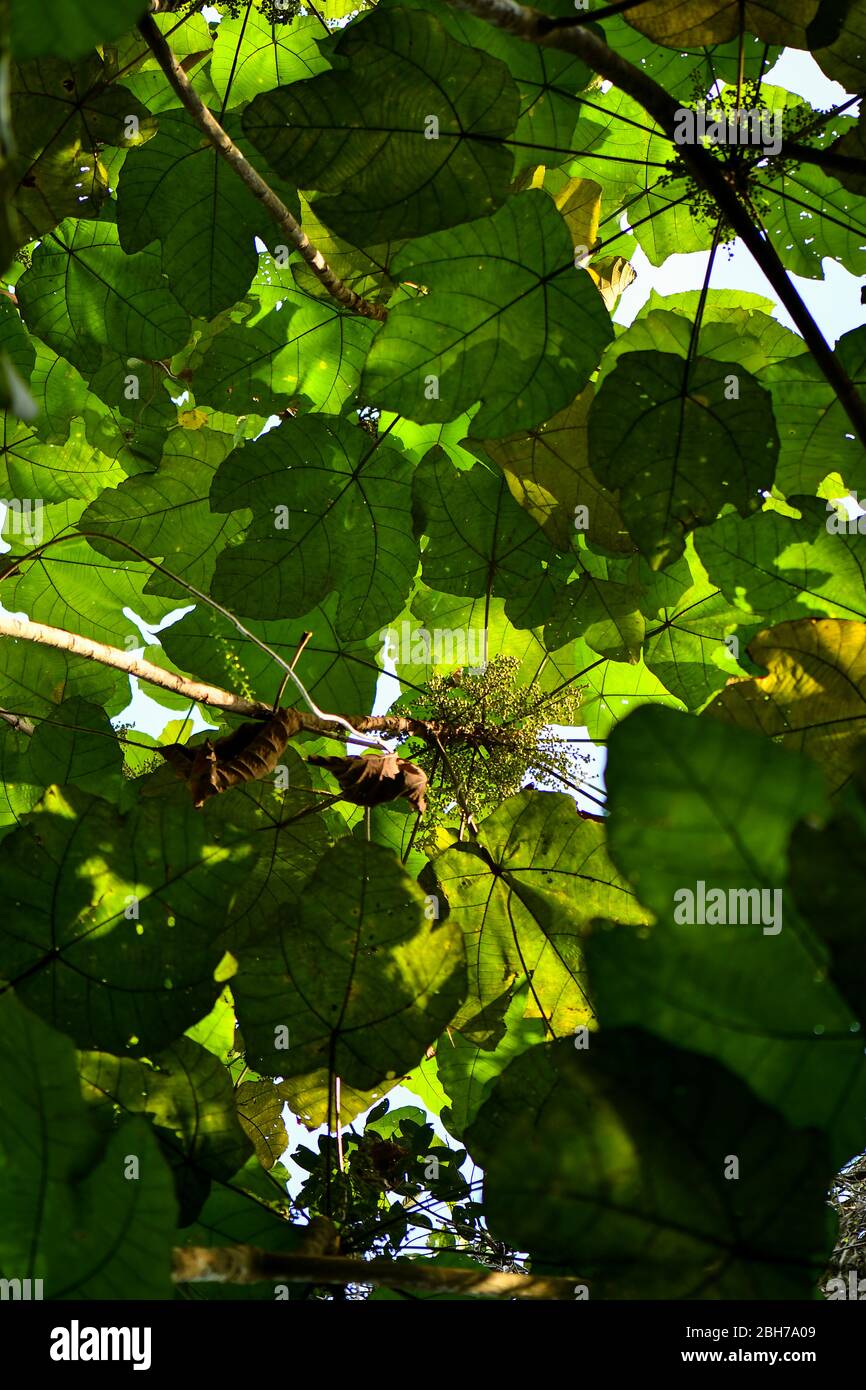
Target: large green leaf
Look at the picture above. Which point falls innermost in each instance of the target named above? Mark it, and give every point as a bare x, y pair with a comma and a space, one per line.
339, 674
83, 295
782, 566
815, 432
403, 136
76, 746
827, 871
252, 54
70, 587
617, 143
479, 540
548, 82
468, 1071
331, 511
31, 469
659, 429
615, 1163
844, 58
548, 472
166, 514
178, 190
66, 1190
504, 318
63, 116
679, 23
523, 895
695, 802
305, 350
68, 28
134, 904
357, 980
188, 1095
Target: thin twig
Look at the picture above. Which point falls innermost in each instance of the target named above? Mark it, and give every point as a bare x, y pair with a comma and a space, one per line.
305, 637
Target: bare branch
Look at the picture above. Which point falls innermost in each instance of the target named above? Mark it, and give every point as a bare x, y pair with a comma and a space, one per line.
22, 629
274, 206
19, 722
244, 1264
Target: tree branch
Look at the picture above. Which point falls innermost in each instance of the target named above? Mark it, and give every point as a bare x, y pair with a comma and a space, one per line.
19, 722
22, 629
274, 206
533, 27
244, 1264
829, 159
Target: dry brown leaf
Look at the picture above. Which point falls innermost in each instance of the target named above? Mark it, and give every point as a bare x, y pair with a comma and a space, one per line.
247, 753
370, 781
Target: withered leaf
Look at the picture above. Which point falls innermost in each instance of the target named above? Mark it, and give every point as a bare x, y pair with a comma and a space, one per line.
369, 781
248, 752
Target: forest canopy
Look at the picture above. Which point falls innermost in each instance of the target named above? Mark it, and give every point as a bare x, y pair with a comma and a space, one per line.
504, 651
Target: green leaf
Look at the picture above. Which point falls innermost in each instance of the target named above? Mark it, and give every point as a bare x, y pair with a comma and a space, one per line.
66, 1191
696, 801
679, 23
177, 189
135, 904
63, 116
31, 688
505, 319
686, 418
340, 675
827, 866
692, 651
305, 351
606, 614
468, 1071
845, 58
523, 895
359, 977
82, 295
166, 514
785, 567
76, 747
548, 81
188, 1095
330, 512
479, 540
35, 473
403, 136
548, 472
19, 790
251, 55
68, 586
614, 1164
815, 432
69, 28
621, 145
